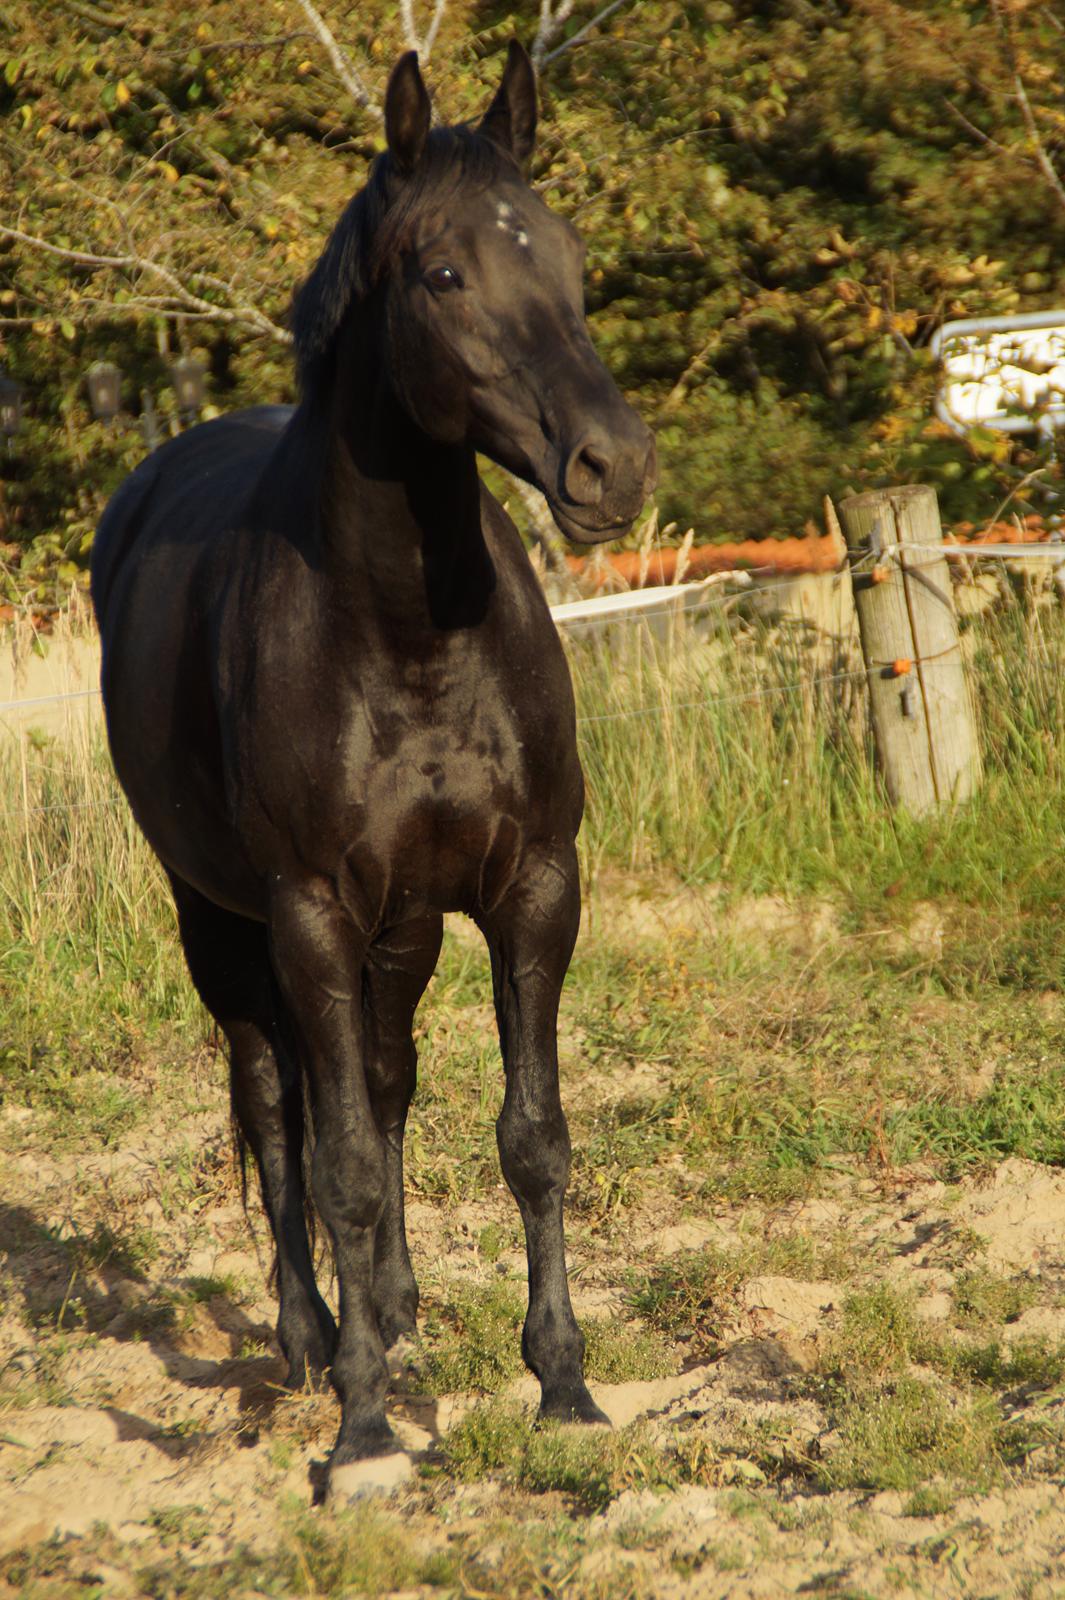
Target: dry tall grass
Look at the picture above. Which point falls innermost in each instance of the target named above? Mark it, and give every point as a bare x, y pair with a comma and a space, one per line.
715, 750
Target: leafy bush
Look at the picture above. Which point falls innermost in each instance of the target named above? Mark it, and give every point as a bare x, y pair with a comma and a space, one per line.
782, 202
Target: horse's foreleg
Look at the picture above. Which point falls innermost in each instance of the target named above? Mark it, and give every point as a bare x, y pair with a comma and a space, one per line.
531, 936
398, 967
318, 955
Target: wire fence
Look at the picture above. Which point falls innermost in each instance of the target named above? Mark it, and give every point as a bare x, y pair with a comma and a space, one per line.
647, 606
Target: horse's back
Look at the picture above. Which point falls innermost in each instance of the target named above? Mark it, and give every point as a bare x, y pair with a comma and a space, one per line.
187, 493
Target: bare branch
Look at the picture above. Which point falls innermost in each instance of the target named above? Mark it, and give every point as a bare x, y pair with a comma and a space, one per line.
410, 32
180, 294
96, 14
677, 395
1004, 18
1045, 164
342, 64
582, 33
977, 133
221, 46
552, 19
424, 46
433, 29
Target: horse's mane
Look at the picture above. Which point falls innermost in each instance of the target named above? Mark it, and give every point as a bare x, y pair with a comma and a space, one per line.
374, 227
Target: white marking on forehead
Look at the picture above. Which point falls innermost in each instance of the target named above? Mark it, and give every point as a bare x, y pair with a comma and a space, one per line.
507, 223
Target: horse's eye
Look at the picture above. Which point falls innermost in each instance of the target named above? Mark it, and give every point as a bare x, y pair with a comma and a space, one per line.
443, 278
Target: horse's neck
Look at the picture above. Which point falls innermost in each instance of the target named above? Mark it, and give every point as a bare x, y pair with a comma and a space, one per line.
399, 518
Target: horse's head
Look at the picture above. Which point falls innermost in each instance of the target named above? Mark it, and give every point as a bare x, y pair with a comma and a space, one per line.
485, 343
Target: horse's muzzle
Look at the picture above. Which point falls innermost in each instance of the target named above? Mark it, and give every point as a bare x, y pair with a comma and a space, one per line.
605, 479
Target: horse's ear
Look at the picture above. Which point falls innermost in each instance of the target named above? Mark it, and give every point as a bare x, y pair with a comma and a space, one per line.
510, 120
408, 112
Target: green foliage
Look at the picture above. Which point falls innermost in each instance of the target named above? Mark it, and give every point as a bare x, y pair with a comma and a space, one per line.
910, 1430
616, 1352
982, 1297
590, 1465
782, 203
473, 1341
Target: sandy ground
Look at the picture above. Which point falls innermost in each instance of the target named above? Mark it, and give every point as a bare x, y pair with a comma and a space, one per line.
135, 1402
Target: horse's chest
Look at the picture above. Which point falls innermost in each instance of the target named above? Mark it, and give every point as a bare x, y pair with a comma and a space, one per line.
427, 810
440, 782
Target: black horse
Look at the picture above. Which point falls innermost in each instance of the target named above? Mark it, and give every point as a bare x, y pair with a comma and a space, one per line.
339, 708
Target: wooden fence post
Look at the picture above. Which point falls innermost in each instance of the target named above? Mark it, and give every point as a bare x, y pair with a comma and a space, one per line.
919, 699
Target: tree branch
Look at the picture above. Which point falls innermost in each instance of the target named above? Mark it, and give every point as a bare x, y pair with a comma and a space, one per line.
1004, 18
1045, 164
977, 133
424, 46
190, 304
550, 24
582, 33
434, 27
342, 64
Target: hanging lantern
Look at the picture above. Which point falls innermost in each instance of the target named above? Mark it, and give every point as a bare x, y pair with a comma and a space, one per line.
105, 390
190, 385
10, 407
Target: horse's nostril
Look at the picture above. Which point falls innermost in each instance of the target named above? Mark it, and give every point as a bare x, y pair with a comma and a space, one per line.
588, 473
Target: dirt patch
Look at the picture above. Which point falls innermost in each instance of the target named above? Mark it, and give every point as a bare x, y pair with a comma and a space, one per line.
143, 1426
148, 1422
1020, 1216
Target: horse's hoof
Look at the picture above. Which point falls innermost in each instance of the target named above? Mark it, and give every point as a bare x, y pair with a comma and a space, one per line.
309, 1364
305, 1373
376, 1475
400, 1356
573, 1405
398, 1323
310, 1346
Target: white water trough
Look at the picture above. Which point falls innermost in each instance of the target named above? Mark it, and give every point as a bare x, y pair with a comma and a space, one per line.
1006, 373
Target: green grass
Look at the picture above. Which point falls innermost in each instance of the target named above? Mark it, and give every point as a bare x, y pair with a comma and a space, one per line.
618, 1352
903, 1433
982, 1298
471, 1342
879, 1332
787, 797
364, 1551
590, 1466
693, 1295
689, 1297
910, 1404
1031, 1363
757, 1085
367, 1551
